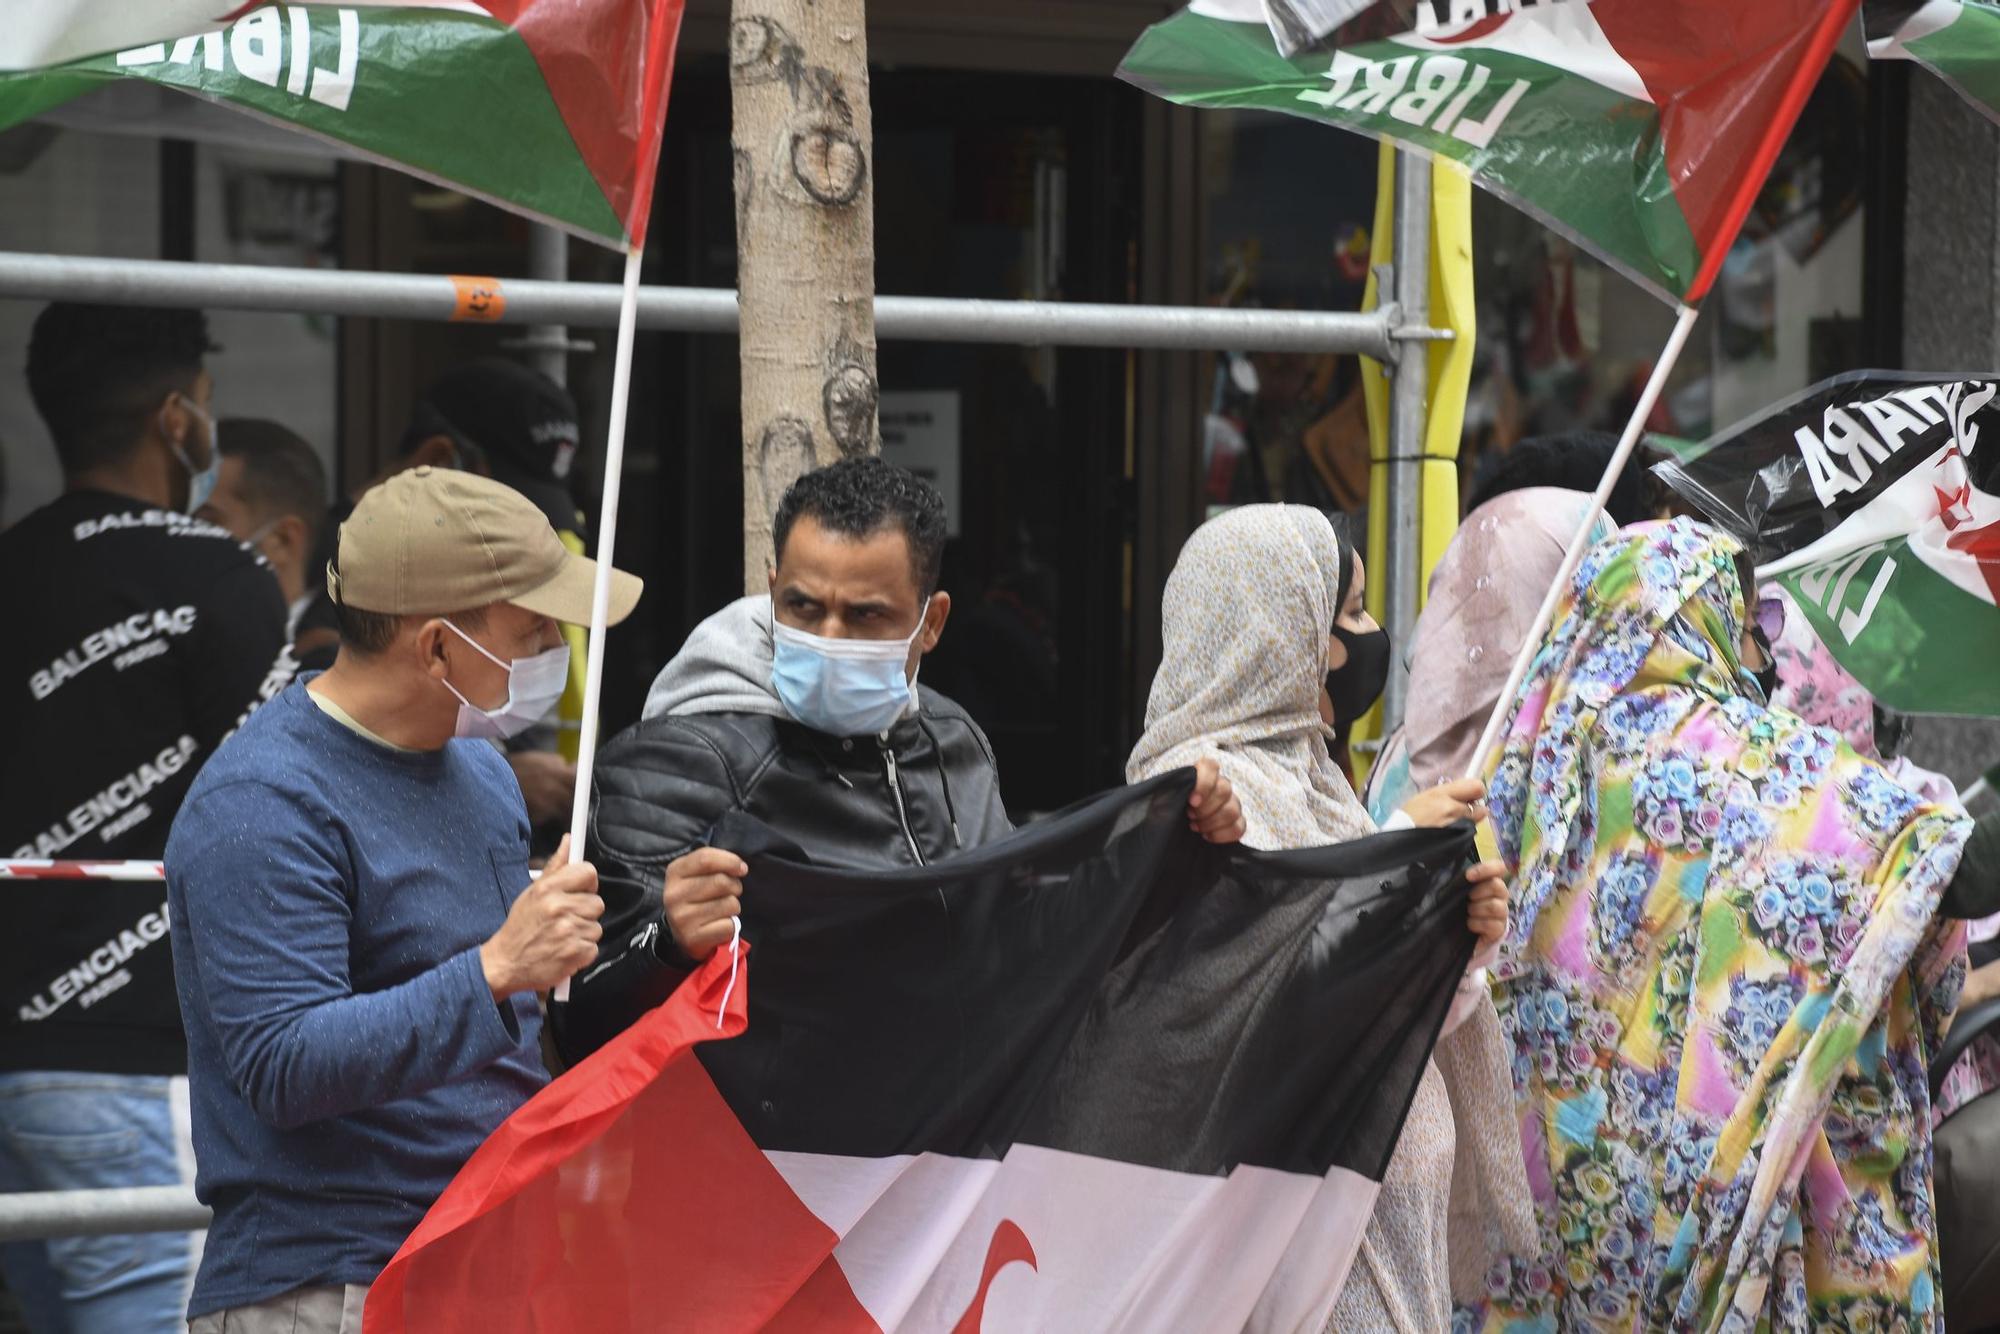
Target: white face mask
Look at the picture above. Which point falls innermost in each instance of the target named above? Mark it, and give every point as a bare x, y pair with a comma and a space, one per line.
534, 684
201, 481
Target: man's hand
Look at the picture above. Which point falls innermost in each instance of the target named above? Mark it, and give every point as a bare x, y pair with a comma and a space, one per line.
1448, 803
703, 891
1488, 915
1213, 810
548, 784
550, 932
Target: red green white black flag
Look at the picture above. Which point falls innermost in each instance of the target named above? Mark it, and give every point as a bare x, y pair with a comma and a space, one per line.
1874, 498
551, 108
1644, 130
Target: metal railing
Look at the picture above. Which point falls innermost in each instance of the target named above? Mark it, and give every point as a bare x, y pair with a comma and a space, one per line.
441, 297
39, 1215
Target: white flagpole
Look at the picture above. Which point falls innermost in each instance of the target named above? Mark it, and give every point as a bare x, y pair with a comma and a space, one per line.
1683, 326
607, 546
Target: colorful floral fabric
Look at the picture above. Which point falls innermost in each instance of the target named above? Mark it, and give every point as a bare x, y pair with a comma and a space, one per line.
1722, 979
1810, 682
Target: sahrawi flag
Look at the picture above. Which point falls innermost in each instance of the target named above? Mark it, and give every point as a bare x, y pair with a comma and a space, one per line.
1297, 24
1642, 128
551, 108
1875, 499
1095, 1076
1958, 40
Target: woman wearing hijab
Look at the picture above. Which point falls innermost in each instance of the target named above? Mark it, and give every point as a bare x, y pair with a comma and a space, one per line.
1722, 976
1483, 598
1812, 683
1267, 647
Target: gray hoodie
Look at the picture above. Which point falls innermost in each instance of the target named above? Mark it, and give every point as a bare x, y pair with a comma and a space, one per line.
725, 666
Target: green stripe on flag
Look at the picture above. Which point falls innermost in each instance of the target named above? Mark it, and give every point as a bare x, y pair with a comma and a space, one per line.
1588, 159
1967, 53
1917, 641
451, 95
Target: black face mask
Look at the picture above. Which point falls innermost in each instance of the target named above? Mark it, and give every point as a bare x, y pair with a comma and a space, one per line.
1891, 731
1356, 684
1767, 675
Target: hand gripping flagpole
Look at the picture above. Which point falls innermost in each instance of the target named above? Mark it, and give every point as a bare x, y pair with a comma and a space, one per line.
1573, 557
607, 545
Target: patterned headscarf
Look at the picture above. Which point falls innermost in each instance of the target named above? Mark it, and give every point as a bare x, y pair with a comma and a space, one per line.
1810, 682
1247, 613
1246, 616
1722, 978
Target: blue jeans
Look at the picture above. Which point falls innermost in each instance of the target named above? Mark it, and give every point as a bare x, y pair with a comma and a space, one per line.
63, 1131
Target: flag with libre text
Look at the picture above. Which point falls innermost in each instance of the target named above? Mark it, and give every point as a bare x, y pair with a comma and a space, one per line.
1644, 129
1095, 1076
552, 108
1874, 498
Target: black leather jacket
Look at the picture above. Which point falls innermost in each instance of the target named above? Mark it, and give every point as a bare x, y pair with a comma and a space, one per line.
915, 795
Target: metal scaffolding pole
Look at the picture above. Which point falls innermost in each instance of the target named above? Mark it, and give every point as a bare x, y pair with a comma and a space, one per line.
692, 309
1406, 428
100, 1213
547, 346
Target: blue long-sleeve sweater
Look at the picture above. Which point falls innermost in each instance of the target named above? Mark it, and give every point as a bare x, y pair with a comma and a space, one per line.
328, 898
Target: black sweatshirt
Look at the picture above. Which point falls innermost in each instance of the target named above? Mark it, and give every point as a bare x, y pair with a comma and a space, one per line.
137, 640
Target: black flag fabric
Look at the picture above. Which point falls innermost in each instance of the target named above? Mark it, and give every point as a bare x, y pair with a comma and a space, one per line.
1096, 1076
1873, 498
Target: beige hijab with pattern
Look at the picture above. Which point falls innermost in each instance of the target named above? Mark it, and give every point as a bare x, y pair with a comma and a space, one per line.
1246, 617
1247, 612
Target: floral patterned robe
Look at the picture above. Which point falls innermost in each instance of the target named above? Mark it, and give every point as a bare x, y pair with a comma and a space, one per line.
1722, 982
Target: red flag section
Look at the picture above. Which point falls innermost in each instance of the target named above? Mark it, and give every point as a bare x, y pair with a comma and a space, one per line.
588, 1208
614, 105
1728, 95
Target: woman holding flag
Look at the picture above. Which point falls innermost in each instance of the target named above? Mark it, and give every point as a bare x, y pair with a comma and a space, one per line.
1722, 978
1267, 648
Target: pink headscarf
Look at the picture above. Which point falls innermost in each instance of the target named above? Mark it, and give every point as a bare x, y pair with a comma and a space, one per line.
1483, 598
1810, 683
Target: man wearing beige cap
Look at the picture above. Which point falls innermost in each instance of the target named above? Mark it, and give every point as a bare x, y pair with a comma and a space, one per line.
356, 941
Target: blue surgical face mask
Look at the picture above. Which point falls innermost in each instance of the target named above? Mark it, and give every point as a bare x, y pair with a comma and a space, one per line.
201, 481
843, 687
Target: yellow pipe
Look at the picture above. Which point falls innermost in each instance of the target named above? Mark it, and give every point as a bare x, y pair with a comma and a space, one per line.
1450, 379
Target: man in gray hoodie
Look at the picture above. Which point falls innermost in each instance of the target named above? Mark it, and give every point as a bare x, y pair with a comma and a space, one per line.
802, 710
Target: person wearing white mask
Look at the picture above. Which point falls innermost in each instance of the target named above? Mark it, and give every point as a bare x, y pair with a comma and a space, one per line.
271, 493
356, 940
802, 709
138, 637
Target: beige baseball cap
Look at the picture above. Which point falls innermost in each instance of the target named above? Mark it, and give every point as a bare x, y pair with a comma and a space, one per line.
429, 541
